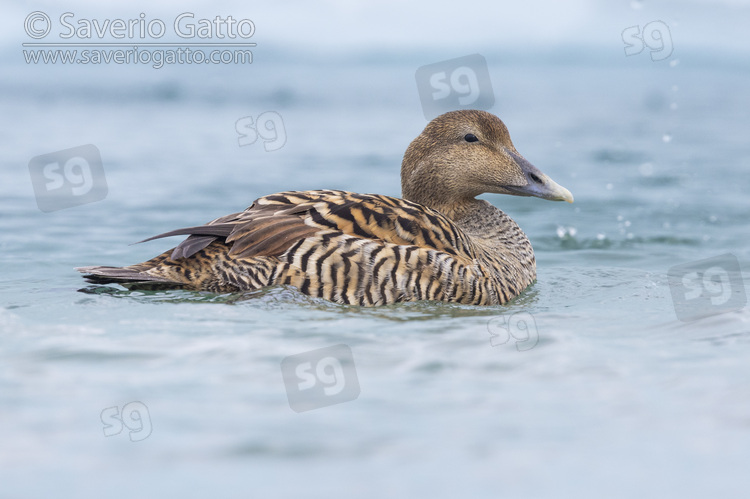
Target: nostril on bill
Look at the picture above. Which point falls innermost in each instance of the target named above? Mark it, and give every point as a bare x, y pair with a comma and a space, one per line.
535, 178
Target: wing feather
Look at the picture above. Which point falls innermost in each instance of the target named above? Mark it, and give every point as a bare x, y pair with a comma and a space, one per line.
272, 224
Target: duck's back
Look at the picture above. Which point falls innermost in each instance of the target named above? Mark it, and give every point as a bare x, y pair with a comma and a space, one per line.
350, 248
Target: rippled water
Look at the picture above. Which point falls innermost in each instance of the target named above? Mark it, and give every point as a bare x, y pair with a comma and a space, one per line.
617, 397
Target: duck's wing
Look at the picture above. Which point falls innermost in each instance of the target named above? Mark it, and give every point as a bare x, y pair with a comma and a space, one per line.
272, 224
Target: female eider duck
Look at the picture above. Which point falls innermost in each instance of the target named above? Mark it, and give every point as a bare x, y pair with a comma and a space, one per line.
437, 243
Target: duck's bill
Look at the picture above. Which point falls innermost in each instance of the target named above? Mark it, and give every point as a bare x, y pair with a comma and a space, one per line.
546, 189
537, 183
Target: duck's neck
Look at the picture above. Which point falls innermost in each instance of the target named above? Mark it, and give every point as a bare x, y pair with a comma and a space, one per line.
461, 211
469, 214
502, 242
484, 222
488, 226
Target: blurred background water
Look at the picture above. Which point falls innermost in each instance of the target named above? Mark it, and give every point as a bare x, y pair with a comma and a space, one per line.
618, 398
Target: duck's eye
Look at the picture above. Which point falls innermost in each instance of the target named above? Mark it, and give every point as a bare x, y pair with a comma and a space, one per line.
470, 137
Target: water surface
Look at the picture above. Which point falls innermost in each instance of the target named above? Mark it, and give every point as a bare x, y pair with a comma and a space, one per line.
617, 398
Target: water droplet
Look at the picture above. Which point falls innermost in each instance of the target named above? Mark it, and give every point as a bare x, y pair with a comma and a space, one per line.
620, 218
673, 106
675, 88
627, 223
563, 232
610, 187
600, 237
713, 218
666, 138
673, 63
636, 4
646, 169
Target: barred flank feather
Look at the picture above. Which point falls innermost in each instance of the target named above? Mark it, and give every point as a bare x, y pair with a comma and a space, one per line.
349, 248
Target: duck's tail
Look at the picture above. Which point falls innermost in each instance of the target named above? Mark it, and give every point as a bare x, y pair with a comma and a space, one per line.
132, 274
103, 275
209, 269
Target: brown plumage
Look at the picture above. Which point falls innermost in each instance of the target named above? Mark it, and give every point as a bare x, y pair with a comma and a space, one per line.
438, 243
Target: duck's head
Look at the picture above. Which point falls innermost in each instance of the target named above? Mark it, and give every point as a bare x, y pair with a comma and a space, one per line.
462, 154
